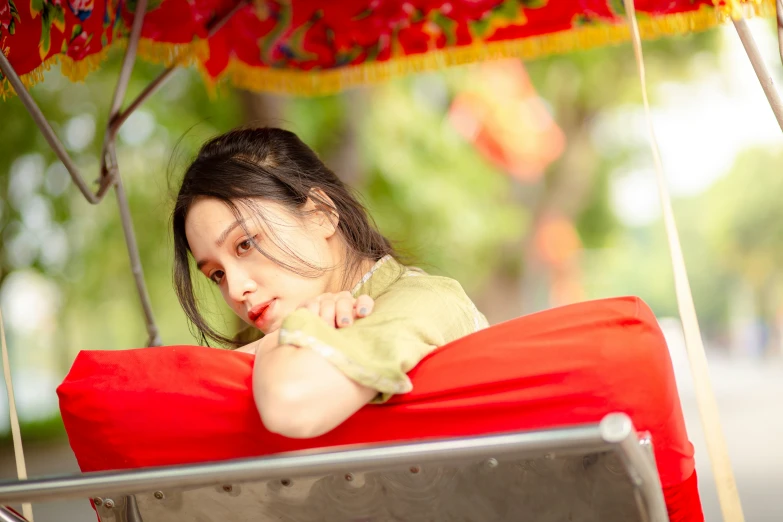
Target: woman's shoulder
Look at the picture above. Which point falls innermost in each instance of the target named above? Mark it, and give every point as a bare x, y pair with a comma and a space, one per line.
421, 292
416, 278
391, 275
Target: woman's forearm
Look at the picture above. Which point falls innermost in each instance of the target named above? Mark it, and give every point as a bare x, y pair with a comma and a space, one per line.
299, 394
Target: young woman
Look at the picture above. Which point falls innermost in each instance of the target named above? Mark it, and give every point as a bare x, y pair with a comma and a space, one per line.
296, 256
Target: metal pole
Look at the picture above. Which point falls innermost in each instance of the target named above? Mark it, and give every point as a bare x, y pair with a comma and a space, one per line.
129, 59
307, 464
757, 61
617, 429
110, 168
50, 136
153, 338
151, 89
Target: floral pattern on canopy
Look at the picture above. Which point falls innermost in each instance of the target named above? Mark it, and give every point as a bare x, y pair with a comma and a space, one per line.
315, 47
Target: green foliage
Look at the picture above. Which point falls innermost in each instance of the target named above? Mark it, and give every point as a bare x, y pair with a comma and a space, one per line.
746, 225
430, 191
100, 307
37, 431
596, 222
731, 235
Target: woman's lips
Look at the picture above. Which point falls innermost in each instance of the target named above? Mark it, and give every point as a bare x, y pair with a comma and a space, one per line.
260, 313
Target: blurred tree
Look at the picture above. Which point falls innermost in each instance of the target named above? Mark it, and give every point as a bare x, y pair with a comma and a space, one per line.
578, 87
733, 245
745, 233
49, 228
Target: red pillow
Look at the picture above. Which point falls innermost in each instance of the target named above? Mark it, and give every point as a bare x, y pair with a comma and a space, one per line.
570, 365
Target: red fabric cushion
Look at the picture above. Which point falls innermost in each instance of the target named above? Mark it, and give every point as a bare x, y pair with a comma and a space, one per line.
570, 365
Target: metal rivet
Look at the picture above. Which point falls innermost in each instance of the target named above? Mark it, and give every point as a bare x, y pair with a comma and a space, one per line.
349, 477
589, 460
228, 488
109, 503
415, 469
98, 501
285, 482
492, 463
159, 495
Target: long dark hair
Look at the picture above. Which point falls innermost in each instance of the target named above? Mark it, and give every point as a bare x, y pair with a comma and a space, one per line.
274, 165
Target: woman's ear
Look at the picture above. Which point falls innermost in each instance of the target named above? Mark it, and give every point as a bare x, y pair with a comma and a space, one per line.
323, 212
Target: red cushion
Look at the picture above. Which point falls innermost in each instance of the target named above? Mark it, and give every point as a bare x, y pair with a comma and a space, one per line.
570, 365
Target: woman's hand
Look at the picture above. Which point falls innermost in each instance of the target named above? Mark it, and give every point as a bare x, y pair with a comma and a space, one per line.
341, 309
338, 310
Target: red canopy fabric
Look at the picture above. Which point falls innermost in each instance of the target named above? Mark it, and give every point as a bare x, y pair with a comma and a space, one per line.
310, 46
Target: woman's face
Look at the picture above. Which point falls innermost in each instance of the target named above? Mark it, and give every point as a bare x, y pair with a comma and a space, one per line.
259, 290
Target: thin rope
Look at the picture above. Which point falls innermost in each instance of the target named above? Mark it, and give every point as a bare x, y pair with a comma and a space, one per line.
16, 433
705, 398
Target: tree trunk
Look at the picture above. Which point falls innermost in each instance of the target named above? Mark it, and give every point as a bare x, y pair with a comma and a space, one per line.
264, 110
345, 159
565, 192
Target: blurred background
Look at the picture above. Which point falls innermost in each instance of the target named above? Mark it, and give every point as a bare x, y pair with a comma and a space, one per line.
531, 183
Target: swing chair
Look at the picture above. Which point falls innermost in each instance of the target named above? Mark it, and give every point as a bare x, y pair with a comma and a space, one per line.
477, 444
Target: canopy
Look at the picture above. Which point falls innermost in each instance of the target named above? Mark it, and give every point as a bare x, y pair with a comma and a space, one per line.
315, 47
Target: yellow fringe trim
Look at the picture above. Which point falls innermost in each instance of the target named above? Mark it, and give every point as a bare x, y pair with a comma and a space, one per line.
169, 54
330, 81
324, 82
78, 70
736, 9
74, 70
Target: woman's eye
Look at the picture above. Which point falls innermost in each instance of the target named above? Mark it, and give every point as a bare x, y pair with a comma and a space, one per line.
216, 276
245, 246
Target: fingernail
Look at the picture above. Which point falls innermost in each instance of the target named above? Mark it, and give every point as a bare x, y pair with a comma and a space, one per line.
362, 311
345, 320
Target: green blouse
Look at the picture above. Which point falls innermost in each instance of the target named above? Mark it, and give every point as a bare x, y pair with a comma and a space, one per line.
414, 314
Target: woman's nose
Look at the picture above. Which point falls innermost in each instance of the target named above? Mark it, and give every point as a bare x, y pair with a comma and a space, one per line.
240, 284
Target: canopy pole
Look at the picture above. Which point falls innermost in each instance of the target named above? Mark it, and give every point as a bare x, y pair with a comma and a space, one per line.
764, 76
729, 499
16, 432
110, 168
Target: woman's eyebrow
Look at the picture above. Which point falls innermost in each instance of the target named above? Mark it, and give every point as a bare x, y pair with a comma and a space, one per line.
227, 231
222, 239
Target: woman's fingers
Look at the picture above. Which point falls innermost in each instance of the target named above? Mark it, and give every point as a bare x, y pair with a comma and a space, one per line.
328, 307
363, 306
340, 310
344, 310
313, 305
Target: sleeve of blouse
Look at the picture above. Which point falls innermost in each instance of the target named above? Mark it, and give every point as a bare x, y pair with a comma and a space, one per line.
415, 316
